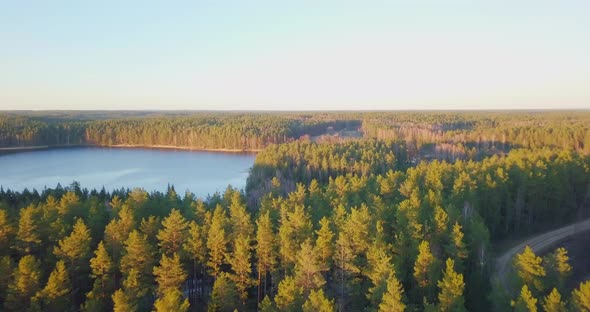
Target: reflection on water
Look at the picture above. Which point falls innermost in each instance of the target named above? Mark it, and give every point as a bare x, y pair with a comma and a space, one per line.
200, 172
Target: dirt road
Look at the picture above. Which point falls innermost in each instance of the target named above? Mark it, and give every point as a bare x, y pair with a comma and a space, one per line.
538, 243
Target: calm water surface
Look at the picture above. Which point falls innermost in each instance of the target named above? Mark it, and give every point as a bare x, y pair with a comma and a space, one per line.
202, 173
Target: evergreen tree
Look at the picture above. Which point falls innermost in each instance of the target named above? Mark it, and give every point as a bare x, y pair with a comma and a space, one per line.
173, 234
224, 297
553, 303
217, 241
425, 269
308, 268
581, 297
239, 217
28, 234
451, 289
289, 296
117, 232
325, 242
139, 255
74, 250
26, 283
265, 250
6, 268
136, 288
526, 302
241, 267
99, 298
6, 232
557, 267
266, 305
317, 302
56, 294
169, 274
171, 300
457, 249
379, 267
392, 299
121, 303
529, 268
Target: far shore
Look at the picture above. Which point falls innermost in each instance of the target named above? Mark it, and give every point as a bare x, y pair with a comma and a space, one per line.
172, 147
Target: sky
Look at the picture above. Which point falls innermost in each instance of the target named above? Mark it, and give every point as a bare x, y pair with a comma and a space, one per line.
294, 55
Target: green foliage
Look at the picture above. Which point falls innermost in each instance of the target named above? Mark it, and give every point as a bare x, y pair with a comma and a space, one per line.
553, 302
308, 268
55, 295
581, 297
529, 268
217, 241
169, 274
336, 215
224, 297
526, 302
317, 302
121, 302
289, 296
26, 284
173, 234
451, 289
171, 300
392, 300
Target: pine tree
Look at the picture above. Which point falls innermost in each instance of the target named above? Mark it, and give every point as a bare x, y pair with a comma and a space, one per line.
526, 302
139, 255
553, 303
6, 268
378, 269
265, 250
26, 283
169, 274
117, 232
196, 249
425, 269
458, 250
56, 294
136, 288
217, 241
241, 267
6, 232
289, 296
98, 299
171, 300
102, 266
581, 297
121, 303
75, 249
392, 299
266, 305
317, 302
308, 269
151, 226
325, 242
173, 234
557, 267
224, 297
239, 217
451, 289
28, 234
529, 269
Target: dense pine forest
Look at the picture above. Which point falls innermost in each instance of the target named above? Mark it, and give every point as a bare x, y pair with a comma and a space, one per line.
363, 211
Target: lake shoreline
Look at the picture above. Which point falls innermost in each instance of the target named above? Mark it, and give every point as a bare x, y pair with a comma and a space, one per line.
17, 149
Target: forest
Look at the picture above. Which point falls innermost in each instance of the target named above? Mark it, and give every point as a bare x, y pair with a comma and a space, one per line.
343, 211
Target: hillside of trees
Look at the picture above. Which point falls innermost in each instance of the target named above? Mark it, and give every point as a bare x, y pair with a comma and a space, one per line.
407, 218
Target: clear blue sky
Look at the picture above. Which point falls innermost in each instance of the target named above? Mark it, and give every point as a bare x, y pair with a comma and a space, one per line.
288, 55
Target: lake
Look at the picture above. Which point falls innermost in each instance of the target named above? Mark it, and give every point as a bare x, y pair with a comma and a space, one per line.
200, 172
